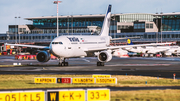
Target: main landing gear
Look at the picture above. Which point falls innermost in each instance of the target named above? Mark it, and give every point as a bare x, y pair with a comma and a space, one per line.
62, 62
100, 63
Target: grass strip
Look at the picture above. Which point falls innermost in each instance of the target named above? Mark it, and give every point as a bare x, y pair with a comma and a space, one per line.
146, 95
27, 81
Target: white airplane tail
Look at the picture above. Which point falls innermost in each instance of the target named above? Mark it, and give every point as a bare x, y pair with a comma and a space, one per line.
106, 23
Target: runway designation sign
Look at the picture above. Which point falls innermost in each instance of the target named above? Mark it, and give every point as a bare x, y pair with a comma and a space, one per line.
106, 80
98, 95
76, 95
101, 76
22, 96
44, 80
83, 80
64, 80
9, 96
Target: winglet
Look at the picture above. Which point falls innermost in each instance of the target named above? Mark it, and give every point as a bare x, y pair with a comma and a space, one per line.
106, 23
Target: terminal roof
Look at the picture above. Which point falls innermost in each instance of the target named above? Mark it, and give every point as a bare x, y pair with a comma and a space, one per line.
74, 16
164, 14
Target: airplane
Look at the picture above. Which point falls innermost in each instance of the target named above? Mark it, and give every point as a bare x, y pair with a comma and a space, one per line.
145, 49
171, 50
167, 50
79, 46
120, 53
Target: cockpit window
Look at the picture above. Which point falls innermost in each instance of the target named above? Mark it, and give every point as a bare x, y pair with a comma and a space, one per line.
57, 43
60, 43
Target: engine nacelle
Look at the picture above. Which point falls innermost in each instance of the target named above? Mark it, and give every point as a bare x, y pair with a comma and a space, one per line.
104, 56
43, 56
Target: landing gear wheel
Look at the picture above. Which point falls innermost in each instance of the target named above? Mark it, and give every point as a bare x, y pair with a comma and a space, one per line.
63, 63
100, 63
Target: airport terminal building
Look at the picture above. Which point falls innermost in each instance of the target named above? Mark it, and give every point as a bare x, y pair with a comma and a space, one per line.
150, 27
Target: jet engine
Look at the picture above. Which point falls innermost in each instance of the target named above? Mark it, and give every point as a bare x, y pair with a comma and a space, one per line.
43, 56
104, 56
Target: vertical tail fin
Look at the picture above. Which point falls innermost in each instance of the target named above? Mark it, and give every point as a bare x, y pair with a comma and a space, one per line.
106, 23
129, 42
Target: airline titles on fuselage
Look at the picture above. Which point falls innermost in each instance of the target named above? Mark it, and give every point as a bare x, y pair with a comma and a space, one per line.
76, 40
73, 39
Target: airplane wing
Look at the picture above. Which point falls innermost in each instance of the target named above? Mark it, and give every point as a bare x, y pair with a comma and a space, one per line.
124, 38
31, 46
157, 50
123, 46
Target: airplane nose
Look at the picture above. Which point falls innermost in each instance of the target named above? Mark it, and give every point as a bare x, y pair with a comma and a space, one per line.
51, 51
54, 50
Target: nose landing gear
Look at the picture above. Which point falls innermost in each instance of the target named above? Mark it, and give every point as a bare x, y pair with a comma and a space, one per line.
100, 63
62, 62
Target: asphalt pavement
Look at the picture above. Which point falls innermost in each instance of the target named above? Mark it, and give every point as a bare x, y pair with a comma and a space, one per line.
161, 67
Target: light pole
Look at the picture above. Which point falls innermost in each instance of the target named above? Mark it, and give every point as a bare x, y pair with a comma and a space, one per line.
72, 24
57, 2
19, 36
161, 28
15, 29
68, 23
18, 32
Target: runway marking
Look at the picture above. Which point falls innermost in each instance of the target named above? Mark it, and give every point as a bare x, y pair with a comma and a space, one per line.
86, 60
97, 69
44, 68
142, 65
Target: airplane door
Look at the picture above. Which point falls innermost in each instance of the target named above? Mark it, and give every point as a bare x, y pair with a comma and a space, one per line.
69, 50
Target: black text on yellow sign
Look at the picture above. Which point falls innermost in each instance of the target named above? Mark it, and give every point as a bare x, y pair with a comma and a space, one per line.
83, 80
22, 96
77, 95
101, 76
44, 80
106, 80
98, 95
53, 96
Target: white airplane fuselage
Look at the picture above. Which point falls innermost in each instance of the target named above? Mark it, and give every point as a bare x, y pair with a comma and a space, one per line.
148, 49
76, 46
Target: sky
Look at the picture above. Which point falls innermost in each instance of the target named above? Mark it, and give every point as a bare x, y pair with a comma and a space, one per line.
9, 9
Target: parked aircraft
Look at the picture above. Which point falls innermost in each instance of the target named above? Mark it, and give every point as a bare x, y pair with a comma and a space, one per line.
120, 53
171, 50
146, 49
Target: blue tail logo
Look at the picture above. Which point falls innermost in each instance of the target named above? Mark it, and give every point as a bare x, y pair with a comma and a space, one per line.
129, 42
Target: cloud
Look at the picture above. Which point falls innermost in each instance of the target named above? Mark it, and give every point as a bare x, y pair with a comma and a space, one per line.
36, 8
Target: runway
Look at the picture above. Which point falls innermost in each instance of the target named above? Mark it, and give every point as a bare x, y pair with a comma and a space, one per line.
161, 67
